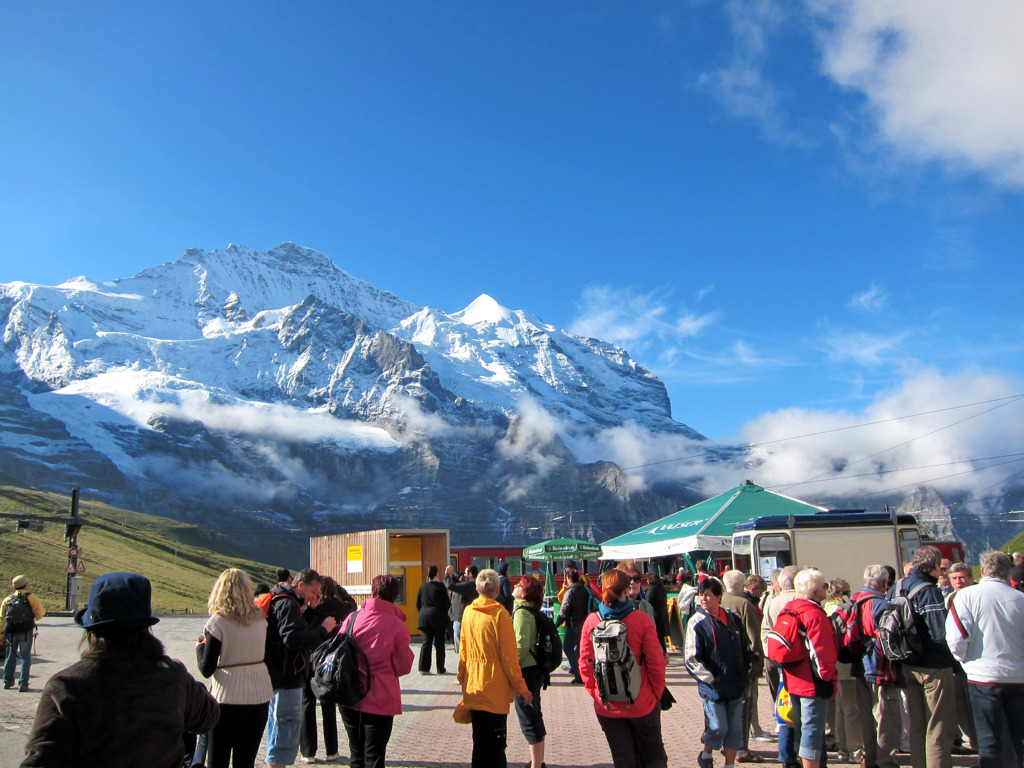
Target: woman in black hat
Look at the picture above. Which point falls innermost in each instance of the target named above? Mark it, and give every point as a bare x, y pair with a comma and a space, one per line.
125, 703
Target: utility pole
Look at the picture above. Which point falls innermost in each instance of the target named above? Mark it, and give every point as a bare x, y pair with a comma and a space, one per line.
74, 568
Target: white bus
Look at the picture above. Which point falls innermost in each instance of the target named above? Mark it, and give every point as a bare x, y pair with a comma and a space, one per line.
839, 544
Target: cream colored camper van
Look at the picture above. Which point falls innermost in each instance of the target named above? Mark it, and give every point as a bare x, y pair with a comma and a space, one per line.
839, 544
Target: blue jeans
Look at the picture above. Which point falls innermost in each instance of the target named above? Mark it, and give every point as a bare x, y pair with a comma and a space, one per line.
998, 710
809, 716
18, 644
456, 633
572, 648
283, 719
723, 724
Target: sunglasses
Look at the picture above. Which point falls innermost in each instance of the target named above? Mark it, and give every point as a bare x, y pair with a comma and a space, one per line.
636, 579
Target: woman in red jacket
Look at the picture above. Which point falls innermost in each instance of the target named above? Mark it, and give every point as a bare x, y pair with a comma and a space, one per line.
632, 728
811, 681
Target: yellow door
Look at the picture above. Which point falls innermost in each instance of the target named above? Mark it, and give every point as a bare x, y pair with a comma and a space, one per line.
405, 562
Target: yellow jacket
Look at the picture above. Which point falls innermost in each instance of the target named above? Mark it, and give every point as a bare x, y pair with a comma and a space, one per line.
489, 658
37, 607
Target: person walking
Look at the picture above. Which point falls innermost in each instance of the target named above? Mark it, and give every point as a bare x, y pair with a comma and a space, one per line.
380, 632
573, 612
432, 603
489, 672
717, 655
528, 596
231, 650
125, 703
289, 644
19, 613
930, 683
632, 730
985, 633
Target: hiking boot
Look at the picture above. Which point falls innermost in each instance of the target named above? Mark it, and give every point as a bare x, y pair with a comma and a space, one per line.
23, 688
704, 760
8, 686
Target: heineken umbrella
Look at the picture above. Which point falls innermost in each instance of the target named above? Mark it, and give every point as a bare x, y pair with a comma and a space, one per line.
704, 526
560, 549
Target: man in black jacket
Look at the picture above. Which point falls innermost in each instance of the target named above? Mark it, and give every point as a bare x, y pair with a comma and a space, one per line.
289, 644
463, 593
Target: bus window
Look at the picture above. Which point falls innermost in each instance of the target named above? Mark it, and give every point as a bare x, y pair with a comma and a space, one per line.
910, 540
741, 553
772, 551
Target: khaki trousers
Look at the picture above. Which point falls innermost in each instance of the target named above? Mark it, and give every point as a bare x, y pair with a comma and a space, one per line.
930, 704
882, 729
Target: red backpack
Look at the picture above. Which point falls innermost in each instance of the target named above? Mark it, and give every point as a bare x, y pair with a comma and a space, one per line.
787, 640
851, 642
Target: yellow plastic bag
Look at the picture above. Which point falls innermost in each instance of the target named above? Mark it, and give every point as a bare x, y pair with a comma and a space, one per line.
784, 707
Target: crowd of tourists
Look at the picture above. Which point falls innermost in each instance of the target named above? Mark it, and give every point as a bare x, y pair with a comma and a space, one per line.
930, 664
824, 648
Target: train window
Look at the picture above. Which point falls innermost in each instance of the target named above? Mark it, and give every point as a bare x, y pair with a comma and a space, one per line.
910, 540
741, 560
481, 563
515, 568
772, 551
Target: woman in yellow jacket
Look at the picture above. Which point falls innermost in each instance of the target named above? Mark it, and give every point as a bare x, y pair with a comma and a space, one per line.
489, 672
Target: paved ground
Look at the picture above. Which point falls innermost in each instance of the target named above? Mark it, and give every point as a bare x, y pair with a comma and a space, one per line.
425, 735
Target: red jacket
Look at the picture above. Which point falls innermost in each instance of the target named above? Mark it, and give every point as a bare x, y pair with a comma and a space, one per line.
642, 638
813, 676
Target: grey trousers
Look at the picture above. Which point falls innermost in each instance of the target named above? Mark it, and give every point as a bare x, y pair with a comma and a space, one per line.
881, 732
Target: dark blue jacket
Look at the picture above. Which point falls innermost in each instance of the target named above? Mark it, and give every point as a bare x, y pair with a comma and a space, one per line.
717, 656
929, 608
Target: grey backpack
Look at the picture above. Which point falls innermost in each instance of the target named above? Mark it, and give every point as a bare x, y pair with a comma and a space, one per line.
615, 667
898, 636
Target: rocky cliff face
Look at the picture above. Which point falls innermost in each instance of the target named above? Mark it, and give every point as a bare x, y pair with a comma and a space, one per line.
274, 393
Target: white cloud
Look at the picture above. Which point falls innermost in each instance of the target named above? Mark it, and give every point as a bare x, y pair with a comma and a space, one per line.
871, 300
945, 444
942, 77
631, 318
862, 347
739, 84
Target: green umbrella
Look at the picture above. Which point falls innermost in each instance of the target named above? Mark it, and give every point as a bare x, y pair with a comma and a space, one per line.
560, 549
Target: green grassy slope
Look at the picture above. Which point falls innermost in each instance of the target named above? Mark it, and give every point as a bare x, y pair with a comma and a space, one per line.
181, 560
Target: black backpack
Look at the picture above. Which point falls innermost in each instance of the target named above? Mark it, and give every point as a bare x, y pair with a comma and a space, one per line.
19, 617
340, 667
548, 650
898, 635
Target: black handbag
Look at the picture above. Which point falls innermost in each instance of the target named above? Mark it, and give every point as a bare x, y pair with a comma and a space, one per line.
667, 699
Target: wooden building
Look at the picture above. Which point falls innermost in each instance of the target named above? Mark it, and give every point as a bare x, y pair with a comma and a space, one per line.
353, 559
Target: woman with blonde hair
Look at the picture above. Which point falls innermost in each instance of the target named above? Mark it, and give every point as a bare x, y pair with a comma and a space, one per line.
231, 650
633, 729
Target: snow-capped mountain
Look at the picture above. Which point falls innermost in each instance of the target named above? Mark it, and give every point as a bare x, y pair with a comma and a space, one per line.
239, 385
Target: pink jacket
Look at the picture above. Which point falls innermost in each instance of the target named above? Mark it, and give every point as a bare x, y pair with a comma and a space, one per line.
642, 638
382, 635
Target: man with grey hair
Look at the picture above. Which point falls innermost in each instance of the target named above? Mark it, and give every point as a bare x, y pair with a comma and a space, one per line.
985, 632
929, 681
878, 679
734, 600
960, 576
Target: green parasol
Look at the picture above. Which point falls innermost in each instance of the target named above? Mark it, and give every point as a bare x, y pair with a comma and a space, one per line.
560, 549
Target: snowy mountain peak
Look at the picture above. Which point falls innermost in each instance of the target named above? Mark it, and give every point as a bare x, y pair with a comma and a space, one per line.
486, 311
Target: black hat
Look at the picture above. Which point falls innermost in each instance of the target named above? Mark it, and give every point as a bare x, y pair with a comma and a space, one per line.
118, 600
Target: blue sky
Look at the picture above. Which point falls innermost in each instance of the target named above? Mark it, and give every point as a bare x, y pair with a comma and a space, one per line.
796, 214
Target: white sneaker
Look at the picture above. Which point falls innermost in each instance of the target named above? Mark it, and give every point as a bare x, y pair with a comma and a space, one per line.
308, 760
332, 758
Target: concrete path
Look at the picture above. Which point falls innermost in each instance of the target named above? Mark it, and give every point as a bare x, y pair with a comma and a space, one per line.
425, 736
